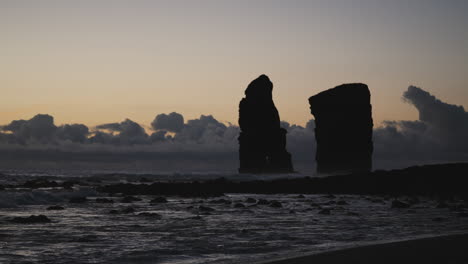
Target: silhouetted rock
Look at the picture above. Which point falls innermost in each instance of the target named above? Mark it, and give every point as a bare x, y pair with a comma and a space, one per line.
68, 184
33, 219
399, 204
78, 200
251, 200
262, 142
130, 199
143, 179
239, 205
315, 205
457, 207
413, 200
462, 214
185, 189
128, 210
55, 208
376, 200
343, 128
205, 208
276, 204
103, 200
158, 200
220, 201
342, 202
352, 214
429, 180
149, 214
442, 204
40, 183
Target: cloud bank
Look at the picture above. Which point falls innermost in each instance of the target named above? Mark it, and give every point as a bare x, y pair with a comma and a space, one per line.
440, 135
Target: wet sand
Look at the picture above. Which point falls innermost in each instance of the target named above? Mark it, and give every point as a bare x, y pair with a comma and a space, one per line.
442, 249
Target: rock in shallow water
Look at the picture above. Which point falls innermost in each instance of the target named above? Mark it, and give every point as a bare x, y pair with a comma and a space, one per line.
149, 214
399, 204
33, 219
239, 205
158, 200
103, 200
251, 200
325, 211
205, 208
78, 200
130, 199
276, 204
55, 208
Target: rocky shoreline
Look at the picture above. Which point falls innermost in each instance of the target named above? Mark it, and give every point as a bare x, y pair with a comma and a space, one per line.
437, 180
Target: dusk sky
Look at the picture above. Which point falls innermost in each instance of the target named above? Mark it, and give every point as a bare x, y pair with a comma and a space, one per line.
94, 62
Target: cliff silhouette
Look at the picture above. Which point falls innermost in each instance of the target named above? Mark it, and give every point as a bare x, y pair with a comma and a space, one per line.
262, 142
343, 119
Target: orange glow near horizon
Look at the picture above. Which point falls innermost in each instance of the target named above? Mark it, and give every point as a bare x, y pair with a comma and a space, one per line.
97, 63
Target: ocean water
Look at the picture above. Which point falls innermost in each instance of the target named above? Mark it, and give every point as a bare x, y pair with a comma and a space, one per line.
180, 232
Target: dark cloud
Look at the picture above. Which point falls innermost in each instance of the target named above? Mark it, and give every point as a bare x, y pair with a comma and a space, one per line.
128, 132
173, 122
204, 130
440, 134
40, 128
285, 125
301, 144
158, 136
100, 137
74, 133
447, 123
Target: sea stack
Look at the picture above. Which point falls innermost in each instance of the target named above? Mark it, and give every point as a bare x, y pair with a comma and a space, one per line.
262, 142
343, 129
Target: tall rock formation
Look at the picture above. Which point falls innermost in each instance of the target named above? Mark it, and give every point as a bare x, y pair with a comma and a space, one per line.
343, 119
262, 142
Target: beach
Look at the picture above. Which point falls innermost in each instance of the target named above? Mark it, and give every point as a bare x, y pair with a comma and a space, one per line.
440, 249
123, 218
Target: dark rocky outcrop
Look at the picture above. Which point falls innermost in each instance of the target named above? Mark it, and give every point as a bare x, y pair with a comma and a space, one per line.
325, 211
399, 204
78, 200
33, 219
157, 200
262, 142
104, 200
443, 180
55, 208
276, 204
343, 120
130, 199
205, 209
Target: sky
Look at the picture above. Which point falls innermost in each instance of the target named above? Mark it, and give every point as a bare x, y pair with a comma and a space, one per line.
96, 62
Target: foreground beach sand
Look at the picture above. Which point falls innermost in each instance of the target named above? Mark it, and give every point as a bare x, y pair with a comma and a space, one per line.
442, 249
